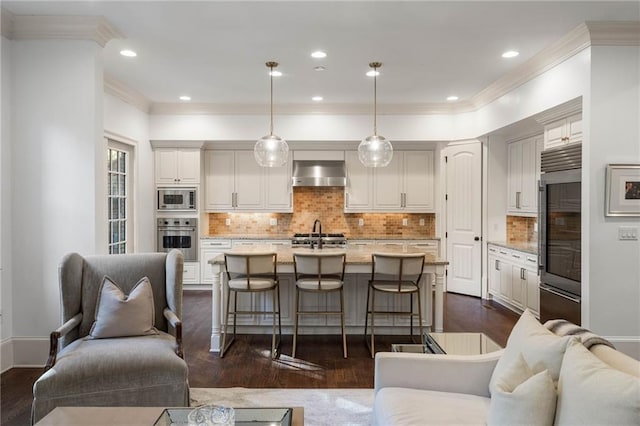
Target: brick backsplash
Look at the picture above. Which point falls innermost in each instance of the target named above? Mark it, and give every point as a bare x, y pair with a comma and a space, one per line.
326, 204
521, 229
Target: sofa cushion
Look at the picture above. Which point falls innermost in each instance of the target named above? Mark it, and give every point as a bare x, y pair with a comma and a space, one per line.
591, 392
521, 397
540, 348
120, 315
404, 406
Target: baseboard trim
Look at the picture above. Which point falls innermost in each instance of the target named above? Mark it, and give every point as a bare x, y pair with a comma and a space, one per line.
24, 352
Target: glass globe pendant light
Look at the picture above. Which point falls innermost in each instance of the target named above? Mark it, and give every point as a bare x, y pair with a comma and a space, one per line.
271, 150
375, 150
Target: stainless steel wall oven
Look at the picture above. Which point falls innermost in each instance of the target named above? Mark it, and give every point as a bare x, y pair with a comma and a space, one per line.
181, 234
560, 222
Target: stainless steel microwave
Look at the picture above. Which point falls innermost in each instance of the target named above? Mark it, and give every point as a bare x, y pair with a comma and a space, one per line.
182, 199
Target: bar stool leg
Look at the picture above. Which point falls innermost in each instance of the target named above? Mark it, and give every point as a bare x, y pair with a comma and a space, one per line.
226, 326
295, 328
344, 335
411, 316
273, 324
420, 318
366, 313
373, 322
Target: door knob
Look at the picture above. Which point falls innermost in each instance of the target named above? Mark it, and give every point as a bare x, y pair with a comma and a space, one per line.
476, 238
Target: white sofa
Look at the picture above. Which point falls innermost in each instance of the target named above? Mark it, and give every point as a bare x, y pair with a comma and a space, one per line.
418, 389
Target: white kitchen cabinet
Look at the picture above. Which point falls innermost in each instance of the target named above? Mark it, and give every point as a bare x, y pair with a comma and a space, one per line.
522, 176
358, 195
405, 185
177, 166
563, 132
279, 194
513, 278
210, 248
234, 181
191, 273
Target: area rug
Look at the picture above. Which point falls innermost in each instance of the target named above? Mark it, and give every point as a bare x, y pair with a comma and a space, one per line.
321, 406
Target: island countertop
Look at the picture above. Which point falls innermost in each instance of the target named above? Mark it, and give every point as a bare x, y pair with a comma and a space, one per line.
360, 255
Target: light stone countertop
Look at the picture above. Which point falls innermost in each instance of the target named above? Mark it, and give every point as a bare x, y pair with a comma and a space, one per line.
356, 255
524, 246
288, 237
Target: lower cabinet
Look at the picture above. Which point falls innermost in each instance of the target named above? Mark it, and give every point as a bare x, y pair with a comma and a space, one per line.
513, 279
191, 274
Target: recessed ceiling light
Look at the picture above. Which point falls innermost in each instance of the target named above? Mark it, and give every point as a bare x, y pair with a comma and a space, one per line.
275, 73
128, 53
319, 68
185, 98
317, 98
318, 54
452, 98
510, 54
373, 73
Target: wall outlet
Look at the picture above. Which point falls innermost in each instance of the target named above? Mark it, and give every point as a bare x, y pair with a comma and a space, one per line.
535, 226
361, 222
628, 233
405, 222
273, 221
227, 222
421, 222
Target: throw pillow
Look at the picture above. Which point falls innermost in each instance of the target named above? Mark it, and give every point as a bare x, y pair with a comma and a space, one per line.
119, 315
540, 348
521, 397
591, 392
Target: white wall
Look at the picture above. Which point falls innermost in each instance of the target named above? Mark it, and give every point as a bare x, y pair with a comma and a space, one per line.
127, 124
6, 283
59, 185
611, 268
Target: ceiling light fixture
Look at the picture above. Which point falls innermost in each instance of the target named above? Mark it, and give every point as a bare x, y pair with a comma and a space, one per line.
373, 73
271, 150
317, 98
128, 53
375, 150
319, 68
318, 54
185, 98
510, 54
275, 73
452, 98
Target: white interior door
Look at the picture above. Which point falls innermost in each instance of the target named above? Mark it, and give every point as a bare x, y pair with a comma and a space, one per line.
464, 218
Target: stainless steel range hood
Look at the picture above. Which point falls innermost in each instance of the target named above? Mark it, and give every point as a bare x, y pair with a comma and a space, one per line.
319, 173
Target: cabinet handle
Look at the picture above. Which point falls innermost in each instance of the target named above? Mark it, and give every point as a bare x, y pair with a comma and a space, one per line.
522, 274
347, 199
517, 256
518, 199
497, 265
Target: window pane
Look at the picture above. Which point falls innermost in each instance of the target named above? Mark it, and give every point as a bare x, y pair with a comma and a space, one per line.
122, 185
114, 184
123, 230
114, 160
122, 162
123, 208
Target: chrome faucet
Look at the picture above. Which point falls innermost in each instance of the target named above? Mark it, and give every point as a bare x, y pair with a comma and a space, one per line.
316, 222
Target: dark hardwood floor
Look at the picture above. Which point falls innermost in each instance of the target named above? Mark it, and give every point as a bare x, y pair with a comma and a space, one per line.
319, 363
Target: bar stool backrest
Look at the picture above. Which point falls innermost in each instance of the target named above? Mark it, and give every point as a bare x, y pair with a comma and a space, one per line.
250, 265
319, 265
400, 267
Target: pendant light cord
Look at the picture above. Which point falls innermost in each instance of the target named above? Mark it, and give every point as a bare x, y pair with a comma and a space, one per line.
375, 102
271, 104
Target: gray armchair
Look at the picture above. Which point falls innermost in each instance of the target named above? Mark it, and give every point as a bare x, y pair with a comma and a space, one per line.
144, 370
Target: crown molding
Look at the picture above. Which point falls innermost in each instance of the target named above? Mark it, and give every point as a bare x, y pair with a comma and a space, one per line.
572, 43
614, 33
566, 109
94, 28
126, 93
182, 108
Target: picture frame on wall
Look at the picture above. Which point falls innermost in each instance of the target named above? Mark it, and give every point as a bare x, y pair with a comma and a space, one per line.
622, 191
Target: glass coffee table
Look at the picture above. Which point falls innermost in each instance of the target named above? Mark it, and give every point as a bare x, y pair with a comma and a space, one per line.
452, 344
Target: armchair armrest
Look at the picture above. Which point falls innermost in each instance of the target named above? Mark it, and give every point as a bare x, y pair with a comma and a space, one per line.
468, 374
55, 336
176, 323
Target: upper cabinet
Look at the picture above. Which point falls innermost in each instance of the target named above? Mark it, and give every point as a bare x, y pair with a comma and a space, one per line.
177, 166
523, 174
405, 185
235, 182
563, 132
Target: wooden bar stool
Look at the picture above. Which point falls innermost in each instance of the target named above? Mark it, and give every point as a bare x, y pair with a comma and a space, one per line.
319, 272
252, 273
397, 273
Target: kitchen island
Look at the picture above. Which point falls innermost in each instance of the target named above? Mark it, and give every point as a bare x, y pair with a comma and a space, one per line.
357, 274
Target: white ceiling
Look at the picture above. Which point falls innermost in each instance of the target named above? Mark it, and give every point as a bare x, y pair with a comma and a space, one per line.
215, 51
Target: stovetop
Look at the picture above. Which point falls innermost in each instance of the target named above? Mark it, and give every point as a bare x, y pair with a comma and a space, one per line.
332, 239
